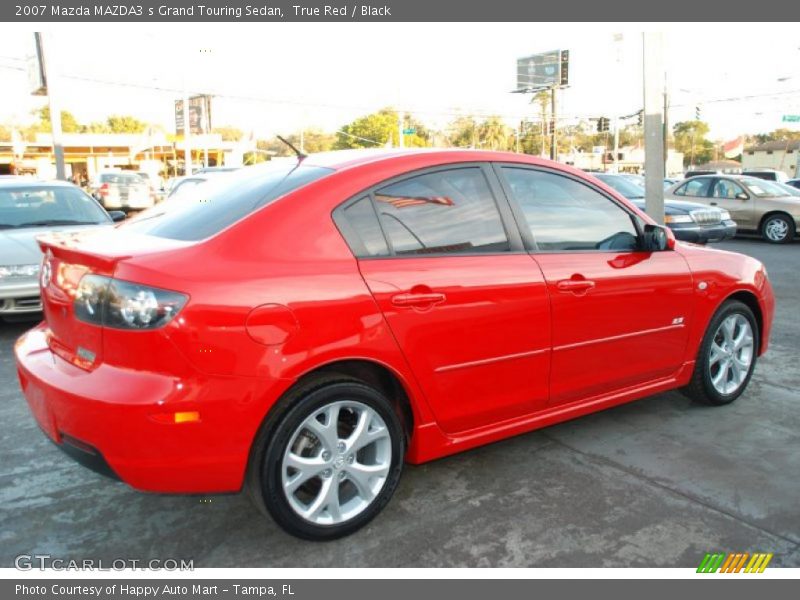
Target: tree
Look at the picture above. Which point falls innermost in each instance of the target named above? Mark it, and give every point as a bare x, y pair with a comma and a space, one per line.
5, 133
779, 135
69, 124
462, 132
125, 124
690, 138
493, 134
378, 129
229, 133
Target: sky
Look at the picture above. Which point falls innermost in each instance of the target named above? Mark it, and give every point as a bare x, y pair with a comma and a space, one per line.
273, 78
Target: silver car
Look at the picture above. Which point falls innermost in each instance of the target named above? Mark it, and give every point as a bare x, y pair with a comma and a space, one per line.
28, 209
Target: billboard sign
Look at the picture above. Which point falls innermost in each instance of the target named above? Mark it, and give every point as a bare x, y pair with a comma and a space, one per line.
544, 70
199, 115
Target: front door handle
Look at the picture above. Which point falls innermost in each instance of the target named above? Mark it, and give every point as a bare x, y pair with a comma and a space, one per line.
576, 286
418, 300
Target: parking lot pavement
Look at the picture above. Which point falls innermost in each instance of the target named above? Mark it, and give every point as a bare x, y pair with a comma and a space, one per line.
658, 482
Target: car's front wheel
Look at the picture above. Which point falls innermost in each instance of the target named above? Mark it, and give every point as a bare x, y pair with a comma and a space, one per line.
778, 229
330, 462
727, 356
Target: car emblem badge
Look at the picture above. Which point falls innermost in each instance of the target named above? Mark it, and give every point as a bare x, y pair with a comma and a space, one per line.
338, 462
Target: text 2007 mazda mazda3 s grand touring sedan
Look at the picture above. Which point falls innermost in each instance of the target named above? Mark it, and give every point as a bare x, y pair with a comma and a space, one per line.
303, 328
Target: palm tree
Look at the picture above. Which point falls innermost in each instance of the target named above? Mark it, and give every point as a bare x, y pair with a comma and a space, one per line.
494, 133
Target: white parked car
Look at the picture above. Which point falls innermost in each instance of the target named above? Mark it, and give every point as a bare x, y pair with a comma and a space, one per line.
122, 190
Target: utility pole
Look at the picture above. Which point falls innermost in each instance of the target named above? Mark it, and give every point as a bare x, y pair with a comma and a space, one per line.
55, 108
553, 140
653, 76
616, 144
666, 124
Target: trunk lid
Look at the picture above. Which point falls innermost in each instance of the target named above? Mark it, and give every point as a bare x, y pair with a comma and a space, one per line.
67, 258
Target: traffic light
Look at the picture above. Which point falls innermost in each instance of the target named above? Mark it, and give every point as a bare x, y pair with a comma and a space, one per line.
697, 113
603, 124
640, 114
551, 127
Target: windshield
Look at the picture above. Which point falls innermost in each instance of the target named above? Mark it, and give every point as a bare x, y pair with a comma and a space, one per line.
39, 206
622, 185
764, 188
204, 210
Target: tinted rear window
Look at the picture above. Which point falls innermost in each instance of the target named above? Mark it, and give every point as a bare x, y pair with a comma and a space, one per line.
207, 209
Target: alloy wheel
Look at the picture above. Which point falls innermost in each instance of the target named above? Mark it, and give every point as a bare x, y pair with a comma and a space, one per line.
336, 462
731, 354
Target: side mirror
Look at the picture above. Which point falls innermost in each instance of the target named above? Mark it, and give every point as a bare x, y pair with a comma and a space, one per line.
656, 238
742, 196
117, 215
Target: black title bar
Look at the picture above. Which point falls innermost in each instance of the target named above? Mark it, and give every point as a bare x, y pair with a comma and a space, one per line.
57, 11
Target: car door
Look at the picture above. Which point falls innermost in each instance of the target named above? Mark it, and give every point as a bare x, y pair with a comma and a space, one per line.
730, 196
446, 266
620, 315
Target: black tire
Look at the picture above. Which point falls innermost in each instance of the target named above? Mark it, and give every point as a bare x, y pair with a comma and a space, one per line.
263, 480
700, 387
784, 222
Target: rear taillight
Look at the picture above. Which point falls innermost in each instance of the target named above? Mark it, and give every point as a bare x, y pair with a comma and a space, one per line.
125, 305
103, 191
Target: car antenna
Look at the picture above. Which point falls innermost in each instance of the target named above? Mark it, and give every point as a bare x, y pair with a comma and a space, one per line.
300, 155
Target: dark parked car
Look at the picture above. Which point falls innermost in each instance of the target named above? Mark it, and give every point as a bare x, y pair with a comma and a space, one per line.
794, 183
689, 221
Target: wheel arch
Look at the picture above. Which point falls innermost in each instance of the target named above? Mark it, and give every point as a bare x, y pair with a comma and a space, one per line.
773, 213
749, 299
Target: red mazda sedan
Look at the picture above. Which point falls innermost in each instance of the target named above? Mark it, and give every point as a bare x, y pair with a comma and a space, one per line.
305, 327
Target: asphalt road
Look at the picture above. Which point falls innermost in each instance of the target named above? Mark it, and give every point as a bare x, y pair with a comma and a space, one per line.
658, 482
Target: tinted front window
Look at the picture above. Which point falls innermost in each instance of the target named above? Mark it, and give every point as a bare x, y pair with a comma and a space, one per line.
696, 187
564, 214
39, 206
205, 210
449, 211
724, 188
622, 185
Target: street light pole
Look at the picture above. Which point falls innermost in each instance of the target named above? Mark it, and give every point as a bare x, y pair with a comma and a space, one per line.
653, 75
55, 108
553, 140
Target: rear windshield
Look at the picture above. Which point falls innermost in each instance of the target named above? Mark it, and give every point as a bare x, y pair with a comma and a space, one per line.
205, 210
122, 178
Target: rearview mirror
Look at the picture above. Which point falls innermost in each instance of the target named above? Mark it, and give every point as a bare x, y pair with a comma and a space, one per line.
655, 238
742, 196
117, 215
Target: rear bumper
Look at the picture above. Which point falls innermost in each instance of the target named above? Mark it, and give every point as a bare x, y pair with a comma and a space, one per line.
698, 234
124, 419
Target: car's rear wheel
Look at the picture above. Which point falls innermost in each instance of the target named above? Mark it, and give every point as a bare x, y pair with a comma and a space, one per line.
727, 356
331, 462
778, 229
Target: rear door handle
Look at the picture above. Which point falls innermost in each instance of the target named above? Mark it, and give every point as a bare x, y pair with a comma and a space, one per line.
576, 286
421, 300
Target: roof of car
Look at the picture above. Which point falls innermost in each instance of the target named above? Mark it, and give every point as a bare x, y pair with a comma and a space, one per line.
341, 159
24, 182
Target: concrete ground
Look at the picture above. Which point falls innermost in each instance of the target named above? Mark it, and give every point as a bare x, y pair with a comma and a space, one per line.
659, 482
